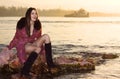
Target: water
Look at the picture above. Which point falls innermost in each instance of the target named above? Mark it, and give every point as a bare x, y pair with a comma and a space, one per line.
73, 35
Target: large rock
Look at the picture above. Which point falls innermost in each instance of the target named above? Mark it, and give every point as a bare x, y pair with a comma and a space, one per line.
109, 56
65, 65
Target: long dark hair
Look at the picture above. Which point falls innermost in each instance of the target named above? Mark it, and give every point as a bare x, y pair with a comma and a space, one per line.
25, 22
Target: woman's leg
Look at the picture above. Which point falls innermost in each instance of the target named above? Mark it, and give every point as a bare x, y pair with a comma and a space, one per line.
43, 39
48, 48
30, 60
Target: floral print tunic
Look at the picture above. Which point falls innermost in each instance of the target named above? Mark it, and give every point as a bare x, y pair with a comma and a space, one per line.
20, 39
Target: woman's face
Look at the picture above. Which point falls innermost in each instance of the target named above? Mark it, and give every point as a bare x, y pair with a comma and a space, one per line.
34, 15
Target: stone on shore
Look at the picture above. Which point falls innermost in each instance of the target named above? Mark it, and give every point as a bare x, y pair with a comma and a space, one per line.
65, 65
109, 56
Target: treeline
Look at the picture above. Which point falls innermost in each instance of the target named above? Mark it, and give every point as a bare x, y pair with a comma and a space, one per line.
79, 13
20, 11
12, 11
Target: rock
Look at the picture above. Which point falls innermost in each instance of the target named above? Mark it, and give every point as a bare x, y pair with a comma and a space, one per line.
6, 56
70, 65
65, 65
95, 60
109, 56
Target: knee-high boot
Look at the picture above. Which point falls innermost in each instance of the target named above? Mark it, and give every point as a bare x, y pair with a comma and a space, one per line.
28, 64
48, 49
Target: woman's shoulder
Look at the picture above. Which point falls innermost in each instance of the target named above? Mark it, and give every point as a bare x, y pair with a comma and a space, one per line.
21, 23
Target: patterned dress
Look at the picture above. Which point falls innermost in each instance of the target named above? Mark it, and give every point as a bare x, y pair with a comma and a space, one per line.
20, 39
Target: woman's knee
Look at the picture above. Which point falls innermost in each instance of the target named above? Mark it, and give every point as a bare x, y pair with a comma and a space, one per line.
47, 38
37, 50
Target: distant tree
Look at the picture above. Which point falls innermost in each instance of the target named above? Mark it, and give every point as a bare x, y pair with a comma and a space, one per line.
80, 13
20, 11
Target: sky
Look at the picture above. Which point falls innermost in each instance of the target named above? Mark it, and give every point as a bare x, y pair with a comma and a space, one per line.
108, 6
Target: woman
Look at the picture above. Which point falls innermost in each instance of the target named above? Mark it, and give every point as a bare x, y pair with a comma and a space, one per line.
28, 40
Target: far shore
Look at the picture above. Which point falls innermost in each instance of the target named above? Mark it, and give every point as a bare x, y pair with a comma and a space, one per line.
19, 11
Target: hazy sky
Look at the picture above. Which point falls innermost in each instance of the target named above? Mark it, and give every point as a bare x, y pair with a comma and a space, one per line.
89, 5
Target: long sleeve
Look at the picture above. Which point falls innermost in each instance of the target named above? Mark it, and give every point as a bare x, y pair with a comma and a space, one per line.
14, 40
19, 41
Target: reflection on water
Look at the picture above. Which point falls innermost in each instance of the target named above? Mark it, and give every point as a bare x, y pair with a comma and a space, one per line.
74, 35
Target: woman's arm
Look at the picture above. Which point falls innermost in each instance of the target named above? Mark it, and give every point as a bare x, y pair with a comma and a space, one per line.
14, 40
